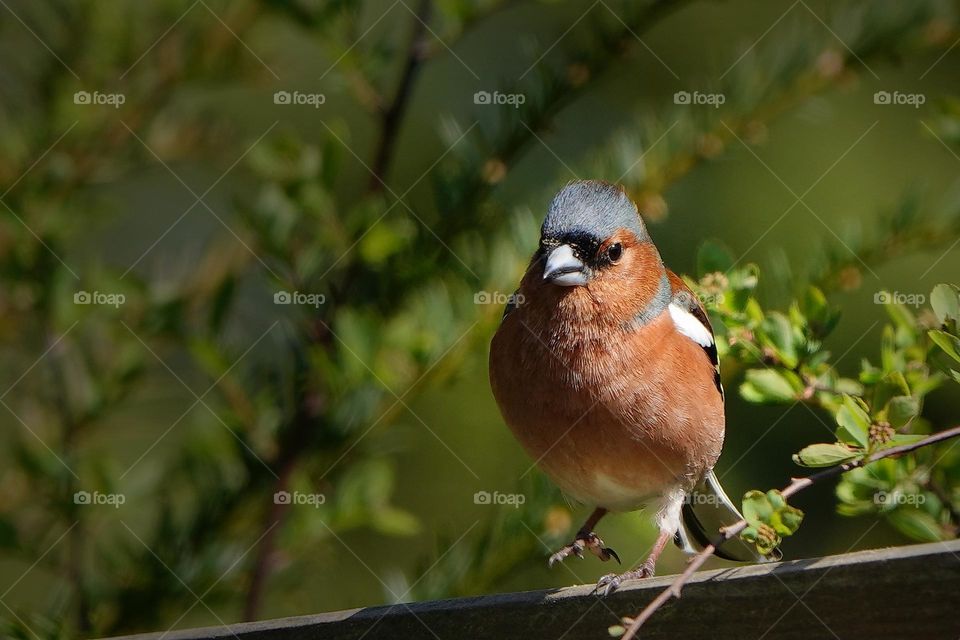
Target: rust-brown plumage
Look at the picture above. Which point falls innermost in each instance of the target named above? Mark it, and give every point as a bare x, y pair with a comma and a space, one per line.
598, 381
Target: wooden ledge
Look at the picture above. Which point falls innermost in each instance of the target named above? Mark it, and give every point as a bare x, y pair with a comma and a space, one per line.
895, 594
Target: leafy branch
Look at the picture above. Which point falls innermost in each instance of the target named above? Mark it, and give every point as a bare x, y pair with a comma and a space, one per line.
796, 485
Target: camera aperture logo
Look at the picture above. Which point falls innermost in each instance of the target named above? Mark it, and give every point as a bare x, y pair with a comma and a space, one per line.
97, 498
497, 98
96, 98
914, 300
100, 298
897, 98
512, 499
299, 98
299, 498
698, 98
298, 297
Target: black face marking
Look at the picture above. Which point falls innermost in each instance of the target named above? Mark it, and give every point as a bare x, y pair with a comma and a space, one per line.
586, 248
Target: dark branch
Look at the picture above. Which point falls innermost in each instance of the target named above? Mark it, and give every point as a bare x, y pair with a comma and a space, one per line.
393, 115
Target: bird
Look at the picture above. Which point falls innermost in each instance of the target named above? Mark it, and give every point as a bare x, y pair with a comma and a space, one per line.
605, 368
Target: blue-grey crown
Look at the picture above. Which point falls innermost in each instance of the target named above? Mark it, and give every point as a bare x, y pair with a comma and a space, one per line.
593, 208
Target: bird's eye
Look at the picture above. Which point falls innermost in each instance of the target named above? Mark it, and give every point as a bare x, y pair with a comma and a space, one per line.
615, 252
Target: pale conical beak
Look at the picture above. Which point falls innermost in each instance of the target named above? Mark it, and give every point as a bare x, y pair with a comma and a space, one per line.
563, 268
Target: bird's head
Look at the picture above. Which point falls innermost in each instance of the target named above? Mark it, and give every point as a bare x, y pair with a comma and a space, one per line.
593, 233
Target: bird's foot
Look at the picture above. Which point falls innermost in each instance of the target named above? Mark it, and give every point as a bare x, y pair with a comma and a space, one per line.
585, 540
611, 582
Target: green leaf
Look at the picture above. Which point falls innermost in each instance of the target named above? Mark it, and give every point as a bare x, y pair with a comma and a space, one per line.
756, 507
916, 524
616, 630
768, 517
824, 455
854, 423
901, 410
947, 342
767, 385
777, 334
787, 520
945, 300
901, 316
905, 438
713, 256
888, 349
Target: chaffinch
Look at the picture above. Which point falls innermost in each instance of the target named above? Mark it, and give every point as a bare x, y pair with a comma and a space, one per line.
605, 368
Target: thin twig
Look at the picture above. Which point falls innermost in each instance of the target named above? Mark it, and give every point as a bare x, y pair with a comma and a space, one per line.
796, 485
393, 114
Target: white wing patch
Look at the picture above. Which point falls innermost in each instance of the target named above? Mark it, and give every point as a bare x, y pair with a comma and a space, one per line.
688, 325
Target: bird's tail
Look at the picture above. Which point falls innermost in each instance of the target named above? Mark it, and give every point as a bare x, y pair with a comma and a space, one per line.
705, 511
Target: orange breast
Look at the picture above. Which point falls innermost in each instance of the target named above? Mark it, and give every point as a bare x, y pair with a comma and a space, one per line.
614, 416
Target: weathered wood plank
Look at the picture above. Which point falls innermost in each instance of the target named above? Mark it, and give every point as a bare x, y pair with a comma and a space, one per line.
895, 594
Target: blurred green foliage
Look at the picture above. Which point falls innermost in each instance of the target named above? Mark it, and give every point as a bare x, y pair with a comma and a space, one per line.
272, 286
786, 363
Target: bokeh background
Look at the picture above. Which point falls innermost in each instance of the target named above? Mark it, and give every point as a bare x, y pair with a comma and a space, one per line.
257, 247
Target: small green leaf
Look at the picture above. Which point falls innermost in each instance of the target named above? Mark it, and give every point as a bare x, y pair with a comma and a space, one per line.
945, 300
905, 438
777, 334
824, 455
888, 349
787, 520
756, 507
854, 423
947, 342
916, 524
616, 630
896, 378
901, 316
901, 410
766, 385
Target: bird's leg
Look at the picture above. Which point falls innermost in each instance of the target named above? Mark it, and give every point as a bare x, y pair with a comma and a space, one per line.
586, 539
610, 582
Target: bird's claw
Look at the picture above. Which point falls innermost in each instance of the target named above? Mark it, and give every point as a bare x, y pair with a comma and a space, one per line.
611, 582
589, 541
606, 553
608, 584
